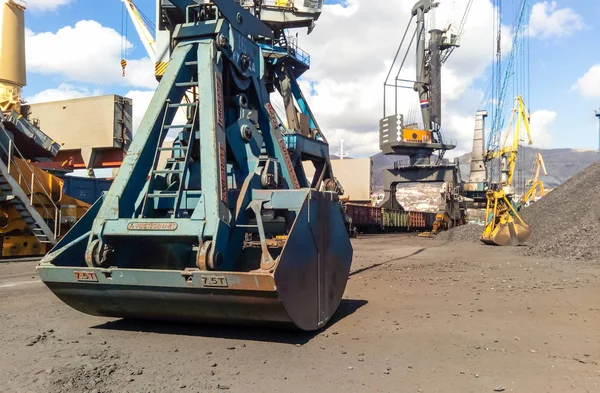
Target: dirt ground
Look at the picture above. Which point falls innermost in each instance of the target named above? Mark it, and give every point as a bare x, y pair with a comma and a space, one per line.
419, 315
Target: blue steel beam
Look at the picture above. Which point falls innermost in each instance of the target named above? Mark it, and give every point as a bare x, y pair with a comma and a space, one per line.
242, 20
212, 217
237, 15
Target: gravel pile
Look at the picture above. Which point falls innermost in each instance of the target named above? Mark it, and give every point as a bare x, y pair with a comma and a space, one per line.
463, 233
566, 222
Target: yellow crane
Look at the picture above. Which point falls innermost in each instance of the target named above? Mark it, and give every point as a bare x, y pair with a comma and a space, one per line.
508, 153
503, 224
143, 31
534, 183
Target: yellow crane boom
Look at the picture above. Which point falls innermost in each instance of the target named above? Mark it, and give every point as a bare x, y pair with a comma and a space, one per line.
143, 31
508, 153
534, 182
503, 224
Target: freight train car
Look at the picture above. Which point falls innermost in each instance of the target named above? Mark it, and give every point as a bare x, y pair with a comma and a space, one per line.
365, 218
372, 219
85, 189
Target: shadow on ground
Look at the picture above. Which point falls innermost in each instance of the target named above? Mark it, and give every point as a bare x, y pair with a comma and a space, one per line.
251, 333
352, 273
412, 254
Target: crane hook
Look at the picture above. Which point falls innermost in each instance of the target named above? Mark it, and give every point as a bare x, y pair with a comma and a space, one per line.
123, 65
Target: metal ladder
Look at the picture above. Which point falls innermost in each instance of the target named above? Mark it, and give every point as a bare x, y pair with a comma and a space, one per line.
181, 171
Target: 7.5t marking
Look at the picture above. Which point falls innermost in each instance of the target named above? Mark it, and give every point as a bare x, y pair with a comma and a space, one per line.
85, 276
214, 281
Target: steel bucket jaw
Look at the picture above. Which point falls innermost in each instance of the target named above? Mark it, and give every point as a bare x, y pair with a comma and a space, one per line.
313, 268
302, 289
508, 233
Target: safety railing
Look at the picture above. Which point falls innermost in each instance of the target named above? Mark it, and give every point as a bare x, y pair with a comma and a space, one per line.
290, 141
451, 142
303, 5
269, 3
295, 51
405, 162
292, 51
52, 214
401, 163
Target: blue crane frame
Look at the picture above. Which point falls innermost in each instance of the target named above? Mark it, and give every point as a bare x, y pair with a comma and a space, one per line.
176, 249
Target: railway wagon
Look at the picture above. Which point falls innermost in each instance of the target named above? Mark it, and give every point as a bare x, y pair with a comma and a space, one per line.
373, 219
421, 219
395, 220
365, 218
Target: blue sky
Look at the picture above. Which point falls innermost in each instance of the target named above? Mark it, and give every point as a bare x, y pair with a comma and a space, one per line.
556, 65
557, 61
108, 14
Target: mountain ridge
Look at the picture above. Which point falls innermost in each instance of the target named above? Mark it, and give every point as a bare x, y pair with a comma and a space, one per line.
561, 164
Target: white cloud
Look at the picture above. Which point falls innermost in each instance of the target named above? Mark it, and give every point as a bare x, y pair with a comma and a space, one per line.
357, 144
548, 21
351, 55
141, 100
87, 52
541, 123
46, 5
589, 84
64, 91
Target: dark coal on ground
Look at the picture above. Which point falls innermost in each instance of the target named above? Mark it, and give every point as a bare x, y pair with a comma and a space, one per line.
565, 223
463, 233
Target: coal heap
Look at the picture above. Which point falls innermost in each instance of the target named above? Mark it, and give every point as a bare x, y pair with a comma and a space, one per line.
463, 233
566, 222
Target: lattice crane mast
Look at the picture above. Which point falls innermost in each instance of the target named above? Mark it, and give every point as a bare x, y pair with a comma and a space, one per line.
502, 80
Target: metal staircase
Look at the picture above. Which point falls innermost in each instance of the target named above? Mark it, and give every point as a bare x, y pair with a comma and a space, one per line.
23, 196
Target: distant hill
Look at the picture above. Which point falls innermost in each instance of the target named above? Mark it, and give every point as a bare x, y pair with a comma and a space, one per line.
561, 164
